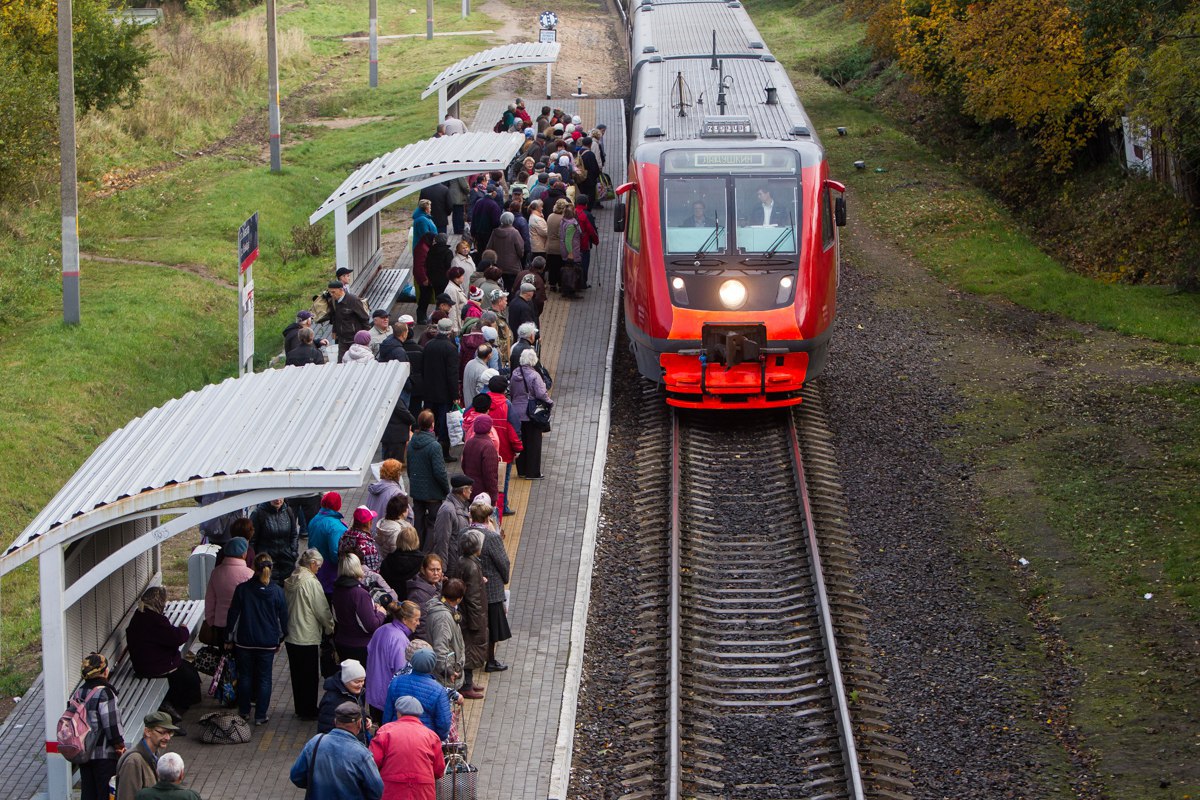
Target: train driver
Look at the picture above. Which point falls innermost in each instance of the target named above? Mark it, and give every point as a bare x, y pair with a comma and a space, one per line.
769, 213
697, 219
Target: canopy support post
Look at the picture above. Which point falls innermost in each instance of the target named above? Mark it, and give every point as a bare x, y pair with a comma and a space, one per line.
54, 668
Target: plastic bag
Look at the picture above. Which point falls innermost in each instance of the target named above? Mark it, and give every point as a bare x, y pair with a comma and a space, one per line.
454, 423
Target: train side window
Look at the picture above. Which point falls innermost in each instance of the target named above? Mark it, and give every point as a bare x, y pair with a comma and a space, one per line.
633, 227
827, 229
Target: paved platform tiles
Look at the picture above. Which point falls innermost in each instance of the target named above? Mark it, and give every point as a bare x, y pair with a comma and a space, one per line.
512, 732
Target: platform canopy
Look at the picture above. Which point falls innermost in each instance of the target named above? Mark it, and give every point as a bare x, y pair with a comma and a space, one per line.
395, 175
474, 71
270, 434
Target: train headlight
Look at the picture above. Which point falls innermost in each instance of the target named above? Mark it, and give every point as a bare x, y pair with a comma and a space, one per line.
679, 291
785, 290
677, 283
732, 294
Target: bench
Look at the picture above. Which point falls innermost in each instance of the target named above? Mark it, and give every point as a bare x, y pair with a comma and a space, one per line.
380, 291
141, 696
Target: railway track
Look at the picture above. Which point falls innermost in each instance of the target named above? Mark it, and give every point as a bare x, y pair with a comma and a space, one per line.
751, 668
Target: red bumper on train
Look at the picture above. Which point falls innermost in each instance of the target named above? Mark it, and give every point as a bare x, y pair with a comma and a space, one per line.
774, 380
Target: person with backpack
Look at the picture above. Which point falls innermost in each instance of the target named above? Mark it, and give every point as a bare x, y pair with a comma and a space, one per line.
89, 733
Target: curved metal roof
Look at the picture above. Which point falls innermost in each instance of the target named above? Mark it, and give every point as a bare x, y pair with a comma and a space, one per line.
465, 154
510, 55
313, 427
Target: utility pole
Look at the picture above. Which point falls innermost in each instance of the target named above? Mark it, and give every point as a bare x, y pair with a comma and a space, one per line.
273, 87
69, 192
429, 20
374, 48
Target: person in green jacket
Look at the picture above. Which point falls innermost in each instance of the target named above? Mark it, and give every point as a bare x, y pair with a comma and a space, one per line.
170, 777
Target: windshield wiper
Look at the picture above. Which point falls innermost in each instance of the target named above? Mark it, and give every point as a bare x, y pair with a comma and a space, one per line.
712, 237
775, 245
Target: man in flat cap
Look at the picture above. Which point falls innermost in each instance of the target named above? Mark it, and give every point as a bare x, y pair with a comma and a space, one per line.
136, 767
348, 314
336, 764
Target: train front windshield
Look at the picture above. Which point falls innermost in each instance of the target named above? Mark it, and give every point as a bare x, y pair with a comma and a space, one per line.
751, 209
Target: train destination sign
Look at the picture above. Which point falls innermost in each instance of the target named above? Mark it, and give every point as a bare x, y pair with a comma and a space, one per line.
769, 160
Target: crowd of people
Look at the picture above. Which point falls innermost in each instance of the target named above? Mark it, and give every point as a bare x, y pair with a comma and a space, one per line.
389, 612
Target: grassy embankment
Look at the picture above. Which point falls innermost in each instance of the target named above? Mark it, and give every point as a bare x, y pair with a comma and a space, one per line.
1090, 474
150, 333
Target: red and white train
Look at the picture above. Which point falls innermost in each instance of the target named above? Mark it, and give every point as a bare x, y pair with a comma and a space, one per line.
731, 254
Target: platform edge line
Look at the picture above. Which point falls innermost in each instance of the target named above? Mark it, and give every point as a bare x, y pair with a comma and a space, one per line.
560, 769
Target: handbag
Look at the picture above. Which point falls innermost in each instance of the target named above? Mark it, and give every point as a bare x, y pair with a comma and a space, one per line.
207, 659
219, 727
224, 682
206, 635
538, 411
459, 781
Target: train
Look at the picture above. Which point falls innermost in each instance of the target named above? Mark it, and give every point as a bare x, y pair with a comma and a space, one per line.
731, 252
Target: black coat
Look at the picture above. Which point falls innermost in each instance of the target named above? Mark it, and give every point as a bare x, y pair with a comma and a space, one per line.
437, 265
521, 311
349, 316
291, 337
416, 368
392, 349
438, 196
336, 693
400, 567
304, 354
397, 433
440, 368
277, 532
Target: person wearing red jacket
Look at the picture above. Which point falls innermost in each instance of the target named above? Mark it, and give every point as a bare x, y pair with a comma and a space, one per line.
510, 440
408, 754
588, 236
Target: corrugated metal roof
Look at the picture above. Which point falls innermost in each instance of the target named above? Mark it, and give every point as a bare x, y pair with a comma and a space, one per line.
680, 30
517, 54
297, 426
657, 88
466, 153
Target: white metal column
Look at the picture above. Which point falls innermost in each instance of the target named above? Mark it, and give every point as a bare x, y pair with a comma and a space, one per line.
341, 237
55, 668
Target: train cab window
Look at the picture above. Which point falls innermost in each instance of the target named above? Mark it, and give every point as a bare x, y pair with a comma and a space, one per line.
633, 222
767, 215
827, 229
697, 216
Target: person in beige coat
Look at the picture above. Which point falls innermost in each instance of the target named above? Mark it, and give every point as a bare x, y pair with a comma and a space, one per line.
309, 619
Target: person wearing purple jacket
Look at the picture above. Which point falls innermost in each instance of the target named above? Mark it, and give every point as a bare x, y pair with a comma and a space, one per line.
385, 654
355, 615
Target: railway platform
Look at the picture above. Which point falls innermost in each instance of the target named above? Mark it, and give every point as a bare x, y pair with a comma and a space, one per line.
513, 733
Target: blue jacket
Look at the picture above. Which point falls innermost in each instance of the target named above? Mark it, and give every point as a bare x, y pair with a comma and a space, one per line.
258, 615
422, 225
429, 693
344, 768
325, 533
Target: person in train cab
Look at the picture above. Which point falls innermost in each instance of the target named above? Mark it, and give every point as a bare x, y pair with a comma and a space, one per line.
698, 218
770, 213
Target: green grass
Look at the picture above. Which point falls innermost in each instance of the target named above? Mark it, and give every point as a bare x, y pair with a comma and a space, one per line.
152, 333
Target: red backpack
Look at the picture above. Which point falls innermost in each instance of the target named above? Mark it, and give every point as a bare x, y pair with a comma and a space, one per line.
76, 739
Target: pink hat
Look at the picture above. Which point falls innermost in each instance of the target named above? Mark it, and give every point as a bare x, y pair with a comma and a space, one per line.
363, 515
483, 423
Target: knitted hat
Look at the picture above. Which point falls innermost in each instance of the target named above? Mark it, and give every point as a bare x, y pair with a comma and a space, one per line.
481, 499
352, 671
236, 547
93, 666
423, 661
476, 294
445, 325
483, 425
498, 384
332, 501
362, 337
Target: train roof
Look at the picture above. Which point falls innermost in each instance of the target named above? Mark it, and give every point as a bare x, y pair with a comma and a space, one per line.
670, 29
656, 113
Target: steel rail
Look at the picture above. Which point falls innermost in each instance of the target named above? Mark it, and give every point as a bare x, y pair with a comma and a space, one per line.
845, 728
674, 768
